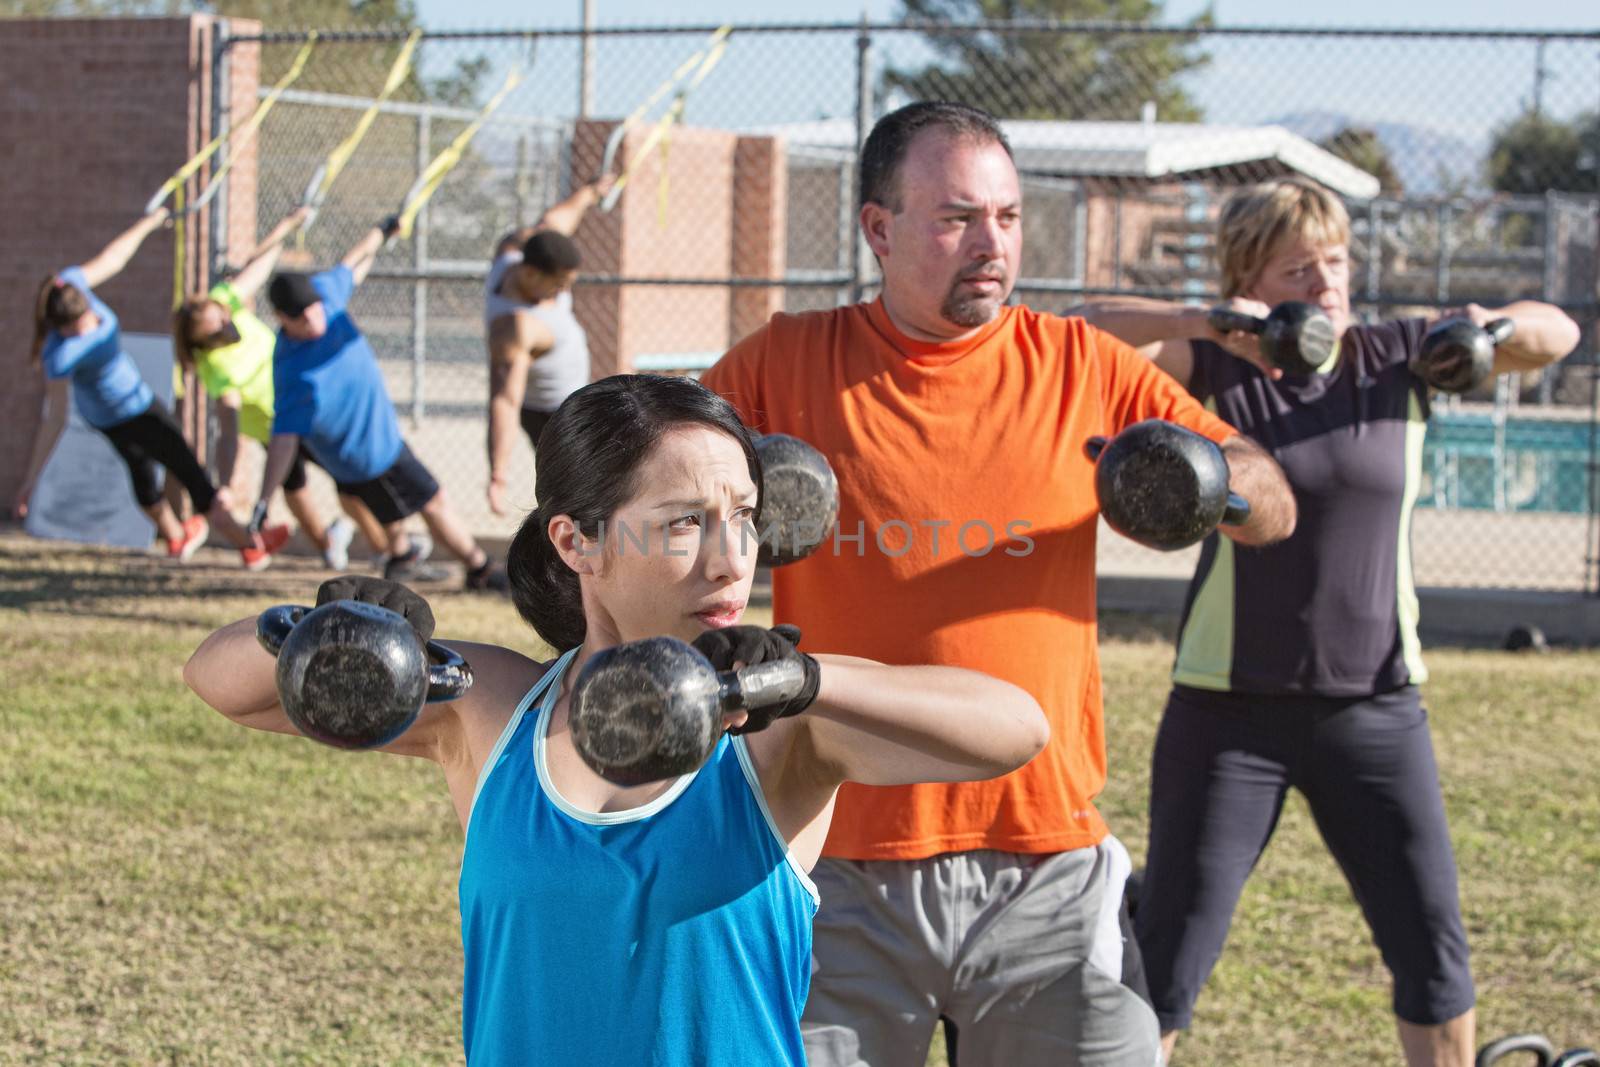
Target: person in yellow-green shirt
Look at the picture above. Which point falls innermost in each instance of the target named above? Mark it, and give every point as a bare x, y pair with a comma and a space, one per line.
230, 349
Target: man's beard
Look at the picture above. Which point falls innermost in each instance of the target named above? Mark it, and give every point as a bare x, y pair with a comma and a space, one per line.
975, 310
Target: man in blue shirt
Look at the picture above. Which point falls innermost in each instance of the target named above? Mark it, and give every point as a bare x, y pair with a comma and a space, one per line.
331, 397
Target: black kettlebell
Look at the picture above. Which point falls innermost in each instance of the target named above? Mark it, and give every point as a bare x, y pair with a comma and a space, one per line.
1163, 485
799, 499
1457, 356
1525, 637
355, 675
1296, 337
652, 709
1494, 1051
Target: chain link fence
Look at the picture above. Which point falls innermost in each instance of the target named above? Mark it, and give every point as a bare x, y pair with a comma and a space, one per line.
1470, 163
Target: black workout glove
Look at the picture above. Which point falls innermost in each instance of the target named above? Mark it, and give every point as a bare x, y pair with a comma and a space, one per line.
389, 227
754, 644
392, 595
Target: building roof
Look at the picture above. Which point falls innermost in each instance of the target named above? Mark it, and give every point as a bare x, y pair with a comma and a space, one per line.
1145, 150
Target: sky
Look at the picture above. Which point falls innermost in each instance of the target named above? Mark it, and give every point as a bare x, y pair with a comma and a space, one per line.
1450, 93
1524, 14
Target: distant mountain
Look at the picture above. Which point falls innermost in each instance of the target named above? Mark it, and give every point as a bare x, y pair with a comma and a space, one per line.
1425, 159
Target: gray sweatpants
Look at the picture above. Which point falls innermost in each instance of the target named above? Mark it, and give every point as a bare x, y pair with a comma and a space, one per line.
1022, 952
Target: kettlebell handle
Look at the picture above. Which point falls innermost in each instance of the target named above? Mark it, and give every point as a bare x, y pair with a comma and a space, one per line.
1093, 447
449, 676
1226, 320
1500, 330
760, 685
1538, 1044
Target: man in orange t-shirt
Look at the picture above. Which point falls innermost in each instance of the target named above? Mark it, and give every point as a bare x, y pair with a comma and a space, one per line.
966, 536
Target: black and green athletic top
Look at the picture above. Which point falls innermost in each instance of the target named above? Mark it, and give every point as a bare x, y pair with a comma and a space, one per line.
1332, 610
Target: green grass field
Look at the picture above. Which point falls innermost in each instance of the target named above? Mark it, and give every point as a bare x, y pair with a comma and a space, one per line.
177, 890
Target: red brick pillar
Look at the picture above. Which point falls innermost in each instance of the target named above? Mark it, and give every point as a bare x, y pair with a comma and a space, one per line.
599, 240
760, 230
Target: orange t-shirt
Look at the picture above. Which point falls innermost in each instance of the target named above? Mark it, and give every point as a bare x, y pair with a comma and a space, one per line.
966, 537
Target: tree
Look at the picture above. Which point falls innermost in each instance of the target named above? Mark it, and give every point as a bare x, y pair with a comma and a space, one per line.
1360, 147
1533, 154
1054, 75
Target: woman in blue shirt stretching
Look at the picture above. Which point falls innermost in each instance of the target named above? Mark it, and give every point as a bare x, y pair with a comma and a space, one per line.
78, 339
667, 923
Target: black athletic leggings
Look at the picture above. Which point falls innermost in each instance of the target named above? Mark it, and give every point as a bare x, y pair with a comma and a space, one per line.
152, 440
1223, 764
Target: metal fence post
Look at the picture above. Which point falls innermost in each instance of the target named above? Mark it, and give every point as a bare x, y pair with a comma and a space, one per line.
1591, 563
217, 245
221, 120
1548, 286
419, 289
1442, 276
1374, 251
586, 61
519, 180
845, 258
859, 252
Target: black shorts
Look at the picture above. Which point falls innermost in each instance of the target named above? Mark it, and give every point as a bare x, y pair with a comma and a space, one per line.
1222, 766
533, 424
399, 492
296, 478
151, 440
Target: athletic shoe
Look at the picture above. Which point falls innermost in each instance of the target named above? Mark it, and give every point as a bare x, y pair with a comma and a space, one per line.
421, 543
487, 578
272, 539
195, 531
404, 567
337, 555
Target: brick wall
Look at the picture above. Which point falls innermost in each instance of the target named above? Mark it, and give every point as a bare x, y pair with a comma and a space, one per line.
96, 114
720, 213
760, 226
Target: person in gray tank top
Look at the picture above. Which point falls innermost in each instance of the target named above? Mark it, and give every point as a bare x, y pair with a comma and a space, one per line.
1298, 664
538, 353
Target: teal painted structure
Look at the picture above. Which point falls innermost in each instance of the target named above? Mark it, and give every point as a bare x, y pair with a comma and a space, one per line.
1475, 461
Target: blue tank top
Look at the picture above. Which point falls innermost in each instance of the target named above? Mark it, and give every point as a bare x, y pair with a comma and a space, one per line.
675, 933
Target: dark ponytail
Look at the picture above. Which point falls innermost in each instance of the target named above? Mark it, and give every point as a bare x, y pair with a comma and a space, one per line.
57, 304
589, 457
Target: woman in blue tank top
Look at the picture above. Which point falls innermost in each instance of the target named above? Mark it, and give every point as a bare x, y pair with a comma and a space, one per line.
667, 923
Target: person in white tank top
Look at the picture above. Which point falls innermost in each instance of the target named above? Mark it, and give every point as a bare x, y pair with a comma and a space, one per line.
538, 354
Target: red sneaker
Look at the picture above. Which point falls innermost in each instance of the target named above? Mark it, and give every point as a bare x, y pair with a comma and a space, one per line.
195, 531
272, 539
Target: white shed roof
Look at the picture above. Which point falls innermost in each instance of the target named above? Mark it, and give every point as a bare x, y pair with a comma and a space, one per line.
1150, 150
